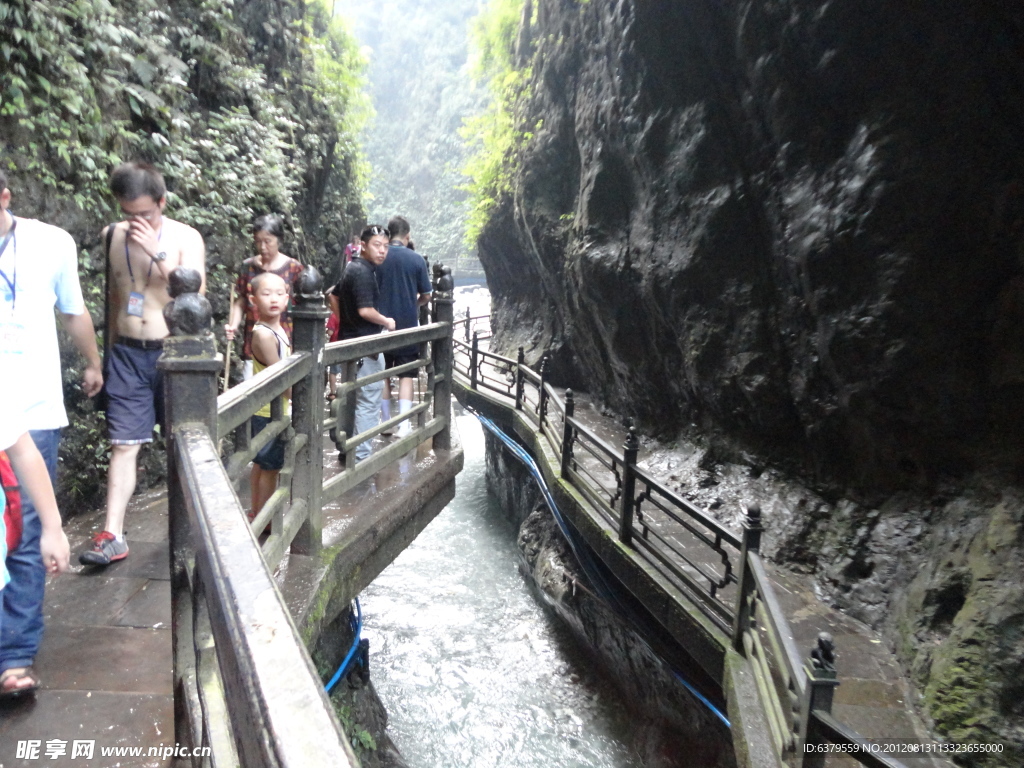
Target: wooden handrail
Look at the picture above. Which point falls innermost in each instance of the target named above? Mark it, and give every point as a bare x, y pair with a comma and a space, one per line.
244, 683
259, 651
353, 349
235, 406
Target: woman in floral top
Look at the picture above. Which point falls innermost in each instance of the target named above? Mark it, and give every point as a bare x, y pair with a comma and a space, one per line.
268, 234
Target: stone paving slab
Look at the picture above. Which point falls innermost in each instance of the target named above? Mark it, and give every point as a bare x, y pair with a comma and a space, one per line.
105, 661
109, 719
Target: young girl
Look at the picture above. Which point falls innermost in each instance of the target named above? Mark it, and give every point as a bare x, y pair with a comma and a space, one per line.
270, 343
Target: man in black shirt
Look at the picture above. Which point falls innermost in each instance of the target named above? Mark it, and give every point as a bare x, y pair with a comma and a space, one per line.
357, 298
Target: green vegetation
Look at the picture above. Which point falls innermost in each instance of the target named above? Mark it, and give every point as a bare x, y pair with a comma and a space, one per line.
246, 107
493, 134
360, 738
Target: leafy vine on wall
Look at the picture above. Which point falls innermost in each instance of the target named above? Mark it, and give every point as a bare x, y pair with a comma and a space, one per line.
247, 106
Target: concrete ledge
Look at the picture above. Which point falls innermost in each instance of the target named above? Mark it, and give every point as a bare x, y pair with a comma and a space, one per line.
751, 736
684, 628
378, 519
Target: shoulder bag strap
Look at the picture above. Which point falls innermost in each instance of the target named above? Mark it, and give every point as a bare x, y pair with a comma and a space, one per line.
106, 296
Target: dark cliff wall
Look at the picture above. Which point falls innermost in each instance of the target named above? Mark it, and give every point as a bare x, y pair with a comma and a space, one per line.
794, 232
798, 223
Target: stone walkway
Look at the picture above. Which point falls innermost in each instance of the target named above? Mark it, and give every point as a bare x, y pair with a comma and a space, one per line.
874, 697
105, 662
106, 659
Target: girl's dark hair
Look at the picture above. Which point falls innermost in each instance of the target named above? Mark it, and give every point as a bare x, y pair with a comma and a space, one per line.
269, 223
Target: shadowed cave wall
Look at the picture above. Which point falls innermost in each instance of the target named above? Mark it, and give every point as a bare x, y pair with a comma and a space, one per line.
792, 231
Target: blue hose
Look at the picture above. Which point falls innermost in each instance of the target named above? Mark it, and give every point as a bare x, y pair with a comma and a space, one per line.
351, 651
603, 588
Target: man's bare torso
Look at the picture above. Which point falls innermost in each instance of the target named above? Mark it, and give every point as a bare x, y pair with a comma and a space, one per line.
135, 272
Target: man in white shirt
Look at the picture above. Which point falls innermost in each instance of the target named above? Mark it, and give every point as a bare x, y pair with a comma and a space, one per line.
38, 272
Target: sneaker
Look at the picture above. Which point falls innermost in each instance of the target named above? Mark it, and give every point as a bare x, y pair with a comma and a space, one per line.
105, 550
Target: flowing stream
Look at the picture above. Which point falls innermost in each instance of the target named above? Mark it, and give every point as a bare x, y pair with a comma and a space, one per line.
474, 672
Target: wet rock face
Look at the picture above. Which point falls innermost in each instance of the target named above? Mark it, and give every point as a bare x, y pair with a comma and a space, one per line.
794, 232
795, 223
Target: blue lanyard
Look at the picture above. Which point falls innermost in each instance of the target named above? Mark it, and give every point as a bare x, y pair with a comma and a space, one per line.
12, 282
127, 258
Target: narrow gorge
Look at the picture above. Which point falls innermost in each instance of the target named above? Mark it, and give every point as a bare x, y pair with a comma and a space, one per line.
786, 238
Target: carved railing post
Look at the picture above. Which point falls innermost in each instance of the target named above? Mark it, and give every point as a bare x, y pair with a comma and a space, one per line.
474, 360
309, 335
520, 364
567, 433
630, 451
190, 364
443, 355
821, 686
751, 542
424, 311
542, 397
346, 413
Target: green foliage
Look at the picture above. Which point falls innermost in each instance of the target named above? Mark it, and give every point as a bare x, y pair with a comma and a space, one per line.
494, 134
493, 34
247, 108
360, 738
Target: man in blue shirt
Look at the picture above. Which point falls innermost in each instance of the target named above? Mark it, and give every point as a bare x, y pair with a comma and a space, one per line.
404, 288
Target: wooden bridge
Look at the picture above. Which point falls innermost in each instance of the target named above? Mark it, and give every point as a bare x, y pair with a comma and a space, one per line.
195, 650
197, 646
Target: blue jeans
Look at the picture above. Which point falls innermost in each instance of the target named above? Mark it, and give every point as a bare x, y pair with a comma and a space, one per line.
368, 401
21, 628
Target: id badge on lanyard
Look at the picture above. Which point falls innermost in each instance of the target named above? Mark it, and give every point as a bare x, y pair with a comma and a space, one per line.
135, 302
12, 337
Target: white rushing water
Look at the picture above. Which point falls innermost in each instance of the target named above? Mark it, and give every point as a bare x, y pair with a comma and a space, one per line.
472, 669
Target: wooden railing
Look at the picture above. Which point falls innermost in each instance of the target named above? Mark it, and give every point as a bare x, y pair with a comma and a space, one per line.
720, 573
244, 683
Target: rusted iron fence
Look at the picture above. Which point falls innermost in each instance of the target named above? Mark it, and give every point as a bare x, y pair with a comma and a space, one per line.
244, 683
720, 573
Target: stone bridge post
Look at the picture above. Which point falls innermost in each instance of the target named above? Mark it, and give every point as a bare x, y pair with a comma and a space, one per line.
751, 542
443, 357
309, 334
821, 685
190, 364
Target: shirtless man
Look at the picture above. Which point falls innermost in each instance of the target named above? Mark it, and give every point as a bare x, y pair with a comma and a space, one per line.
144, 250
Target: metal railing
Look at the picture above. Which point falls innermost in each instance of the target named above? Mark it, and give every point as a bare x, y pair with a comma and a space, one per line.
244, 683
719, 572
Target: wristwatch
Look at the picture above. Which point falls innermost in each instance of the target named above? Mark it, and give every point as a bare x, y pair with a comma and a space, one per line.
161, 256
